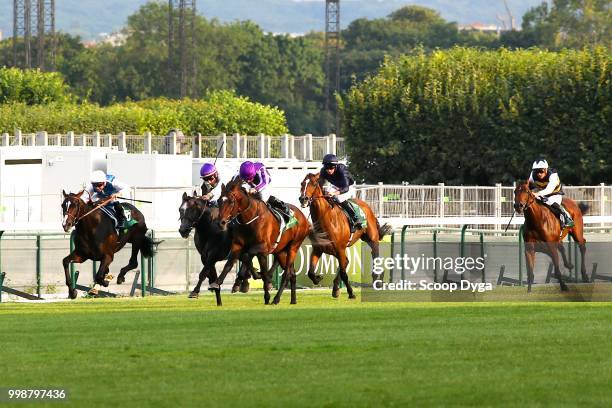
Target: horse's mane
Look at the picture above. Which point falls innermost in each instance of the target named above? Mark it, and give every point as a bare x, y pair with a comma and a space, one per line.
236, 181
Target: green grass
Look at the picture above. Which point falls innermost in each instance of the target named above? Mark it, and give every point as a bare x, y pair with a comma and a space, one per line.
172, 351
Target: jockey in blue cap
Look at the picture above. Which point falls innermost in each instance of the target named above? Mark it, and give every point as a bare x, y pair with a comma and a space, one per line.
105, 186
337, 185
257, 178
210, 181
547, 188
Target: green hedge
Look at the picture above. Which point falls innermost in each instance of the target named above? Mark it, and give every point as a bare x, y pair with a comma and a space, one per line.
221, 111
465, 116
32, 87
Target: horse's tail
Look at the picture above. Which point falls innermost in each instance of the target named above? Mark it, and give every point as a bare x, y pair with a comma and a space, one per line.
384, 230
318, 238
584, 207
149, 246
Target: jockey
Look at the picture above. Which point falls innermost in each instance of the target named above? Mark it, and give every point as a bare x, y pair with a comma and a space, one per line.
257, 178
104, 186
337, 184
547, 185
210, 182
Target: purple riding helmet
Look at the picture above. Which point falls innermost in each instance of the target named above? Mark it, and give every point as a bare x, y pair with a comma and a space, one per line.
207, 169
247, 171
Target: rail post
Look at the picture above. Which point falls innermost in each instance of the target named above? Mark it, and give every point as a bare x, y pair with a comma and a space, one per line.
152, 267
38, 265
482, 255
72, 267
392, 256
462, 250
520, 250
402, 250
435, 255
2, 274
143, 276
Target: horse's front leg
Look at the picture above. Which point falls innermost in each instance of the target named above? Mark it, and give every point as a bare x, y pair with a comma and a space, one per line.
231, 260
76, 258
530, 261
196, 290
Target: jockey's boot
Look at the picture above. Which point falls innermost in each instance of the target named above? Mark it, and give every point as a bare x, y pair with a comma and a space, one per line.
564, 216
121, 221
281, 206
353, 218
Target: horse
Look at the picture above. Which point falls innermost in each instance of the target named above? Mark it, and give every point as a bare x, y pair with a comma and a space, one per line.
330, 219
256, 231
212, 243
543, 227
95, 238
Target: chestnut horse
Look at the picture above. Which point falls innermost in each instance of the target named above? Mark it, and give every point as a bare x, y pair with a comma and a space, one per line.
542, 231
330, 219
213, 243
256, 232
95, 238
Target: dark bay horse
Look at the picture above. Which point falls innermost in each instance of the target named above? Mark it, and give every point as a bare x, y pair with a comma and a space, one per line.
542, 231
256, 232
95, 238
329, 218
212, 242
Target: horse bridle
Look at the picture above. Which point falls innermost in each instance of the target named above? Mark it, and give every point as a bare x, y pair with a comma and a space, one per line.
76, 217
530, 200
197, 220
235, 217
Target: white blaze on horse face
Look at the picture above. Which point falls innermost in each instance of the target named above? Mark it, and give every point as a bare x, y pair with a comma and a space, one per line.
66, 215
183, 207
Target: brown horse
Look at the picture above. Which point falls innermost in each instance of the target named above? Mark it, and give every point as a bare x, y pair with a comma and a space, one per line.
330, 219
95, 238
256, 232
542, 231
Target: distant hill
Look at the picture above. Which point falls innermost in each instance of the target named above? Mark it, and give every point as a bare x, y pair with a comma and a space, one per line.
88, 18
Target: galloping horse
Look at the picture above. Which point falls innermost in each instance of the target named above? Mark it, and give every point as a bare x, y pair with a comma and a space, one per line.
542, 227
256, 232
95, 238
329, 218
212, 242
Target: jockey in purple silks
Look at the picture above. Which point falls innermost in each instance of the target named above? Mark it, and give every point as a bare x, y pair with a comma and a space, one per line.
210, 182
257, 178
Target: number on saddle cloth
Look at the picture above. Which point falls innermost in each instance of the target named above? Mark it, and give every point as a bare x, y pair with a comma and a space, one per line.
359, 211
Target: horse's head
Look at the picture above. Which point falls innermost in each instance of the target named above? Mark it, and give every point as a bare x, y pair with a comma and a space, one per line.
72, 208
190, 212
310, 189
523, 196
232, 201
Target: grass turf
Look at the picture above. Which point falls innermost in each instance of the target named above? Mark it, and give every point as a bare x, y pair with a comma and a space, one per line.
172, 351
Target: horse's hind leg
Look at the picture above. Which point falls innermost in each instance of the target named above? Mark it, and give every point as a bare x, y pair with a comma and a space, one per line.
212, 276
566, 262
195, 293
132, 264
344, 275
282, 258
554, 255
314, 259
374, 245
579, 238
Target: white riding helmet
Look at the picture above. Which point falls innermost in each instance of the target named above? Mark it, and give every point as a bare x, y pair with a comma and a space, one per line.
539, 164
97, 176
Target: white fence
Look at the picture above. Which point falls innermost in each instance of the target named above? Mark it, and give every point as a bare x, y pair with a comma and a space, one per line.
476, 205
306, 147
439, 205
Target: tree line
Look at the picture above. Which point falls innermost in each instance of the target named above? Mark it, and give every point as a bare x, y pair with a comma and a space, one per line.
288, 72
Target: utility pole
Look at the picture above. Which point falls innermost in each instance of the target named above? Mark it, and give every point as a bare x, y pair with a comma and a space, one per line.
332, 64
25, 13
186, 69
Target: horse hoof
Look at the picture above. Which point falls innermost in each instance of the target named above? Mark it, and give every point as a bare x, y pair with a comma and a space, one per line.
105, 283
235, 288
352, 296
120, 279
72, 293
294, 302
93, 292
214, 286
564, 287
194, 295
336, 293
244, 288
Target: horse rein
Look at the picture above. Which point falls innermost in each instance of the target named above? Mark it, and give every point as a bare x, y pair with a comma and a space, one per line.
235, 217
